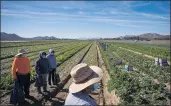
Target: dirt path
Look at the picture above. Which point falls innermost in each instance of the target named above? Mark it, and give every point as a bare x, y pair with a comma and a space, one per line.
62, 93
110, 98
148, 56
97, 95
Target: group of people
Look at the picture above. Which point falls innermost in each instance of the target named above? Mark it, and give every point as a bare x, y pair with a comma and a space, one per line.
85, 77
44, 66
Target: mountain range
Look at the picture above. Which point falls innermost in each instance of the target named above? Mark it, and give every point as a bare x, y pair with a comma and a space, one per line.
15, 37
146, 36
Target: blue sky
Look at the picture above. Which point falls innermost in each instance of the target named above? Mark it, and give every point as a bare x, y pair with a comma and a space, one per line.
85, 19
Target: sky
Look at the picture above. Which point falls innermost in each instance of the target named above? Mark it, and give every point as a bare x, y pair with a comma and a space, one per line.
85, 19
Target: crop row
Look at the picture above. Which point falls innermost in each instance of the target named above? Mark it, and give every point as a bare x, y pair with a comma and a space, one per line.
10, 52
36, 51
6, 66
91, 57
155, 51
6, 79
144, 64
65, 68
133, 88
29, 43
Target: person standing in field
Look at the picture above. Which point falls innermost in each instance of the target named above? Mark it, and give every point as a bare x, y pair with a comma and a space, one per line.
42, 66
53, 64
85, 79
21, 71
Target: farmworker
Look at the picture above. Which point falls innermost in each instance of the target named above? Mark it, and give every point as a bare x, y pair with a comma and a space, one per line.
84, 79
52, 71
21, 71
42, 67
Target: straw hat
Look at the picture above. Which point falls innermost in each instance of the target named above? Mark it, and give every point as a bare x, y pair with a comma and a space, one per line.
84, 76
21, 51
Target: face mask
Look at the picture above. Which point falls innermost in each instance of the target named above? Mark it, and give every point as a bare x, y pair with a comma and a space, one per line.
96, 86
92, 88
43, 56
52, 53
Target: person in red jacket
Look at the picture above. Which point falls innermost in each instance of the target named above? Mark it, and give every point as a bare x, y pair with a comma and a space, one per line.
21, 70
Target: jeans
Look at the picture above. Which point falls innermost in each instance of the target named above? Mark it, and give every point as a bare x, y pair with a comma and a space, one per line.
44, 82
51, 76
44, 78
24, 81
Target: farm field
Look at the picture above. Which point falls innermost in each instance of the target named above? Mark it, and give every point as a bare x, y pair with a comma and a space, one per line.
146, 84
161, 43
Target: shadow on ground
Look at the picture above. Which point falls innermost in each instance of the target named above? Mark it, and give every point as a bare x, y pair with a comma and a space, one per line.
46, 96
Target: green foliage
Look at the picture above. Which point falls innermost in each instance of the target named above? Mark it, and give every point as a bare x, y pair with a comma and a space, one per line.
6, 82
135, 87
147, 49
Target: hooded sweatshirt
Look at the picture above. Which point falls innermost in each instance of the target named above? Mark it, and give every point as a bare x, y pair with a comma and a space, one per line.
42, 65
21, 64
52, 60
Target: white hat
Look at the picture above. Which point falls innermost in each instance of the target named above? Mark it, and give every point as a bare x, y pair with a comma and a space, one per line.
84, 76
21, 51
51, 50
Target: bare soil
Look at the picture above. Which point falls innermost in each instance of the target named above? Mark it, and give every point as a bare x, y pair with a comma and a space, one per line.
110, 98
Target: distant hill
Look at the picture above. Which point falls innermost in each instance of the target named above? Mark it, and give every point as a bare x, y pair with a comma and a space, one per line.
15, 37
10, 37
147, 36
153, 36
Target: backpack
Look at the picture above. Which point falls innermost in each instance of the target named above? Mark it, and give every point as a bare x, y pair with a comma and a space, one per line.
17, 94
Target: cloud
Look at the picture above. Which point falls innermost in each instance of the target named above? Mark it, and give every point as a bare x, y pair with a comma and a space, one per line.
119, 12
81, 12
141, 4
81, 16
125, 17
152, 15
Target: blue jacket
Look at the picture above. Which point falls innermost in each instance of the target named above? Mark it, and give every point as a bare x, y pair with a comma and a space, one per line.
52, 60
42, 65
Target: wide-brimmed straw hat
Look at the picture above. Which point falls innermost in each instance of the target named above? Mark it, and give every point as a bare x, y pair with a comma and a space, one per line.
83, 76
21, 51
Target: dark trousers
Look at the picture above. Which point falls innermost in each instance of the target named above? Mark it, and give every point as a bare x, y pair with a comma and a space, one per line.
24, 81
51, 76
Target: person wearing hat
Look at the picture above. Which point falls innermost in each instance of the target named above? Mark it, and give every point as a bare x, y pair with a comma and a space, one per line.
52, 60
42, 66
84, 78
21, 70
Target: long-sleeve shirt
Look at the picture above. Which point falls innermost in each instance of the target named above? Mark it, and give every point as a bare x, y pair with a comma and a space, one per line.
52, 60
79, 98
42, 65
20, 65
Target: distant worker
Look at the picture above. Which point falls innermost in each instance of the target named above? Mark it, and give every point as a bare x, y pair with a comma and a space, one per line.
52, 71
21, 71
42, 66
84, 79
